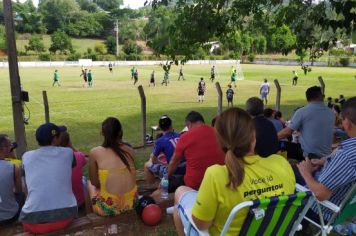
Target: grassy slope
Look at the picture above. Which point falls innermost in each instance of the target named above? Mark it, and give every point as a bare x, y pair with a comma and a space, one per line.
83, 109
80, 45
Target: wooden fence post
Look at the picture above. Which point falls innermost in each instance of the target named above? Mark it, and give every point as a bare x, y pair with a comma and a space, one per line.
278, 96
322, 84
143, 114
46, 107
218, 89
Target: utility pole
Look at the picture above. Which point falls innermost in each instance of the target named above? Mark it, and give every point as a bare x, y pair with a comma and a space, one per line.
15, 84
117, 37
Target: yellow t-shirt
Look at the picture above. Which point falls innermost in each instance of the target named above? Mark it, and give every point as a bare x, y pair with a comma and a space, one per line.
264, 177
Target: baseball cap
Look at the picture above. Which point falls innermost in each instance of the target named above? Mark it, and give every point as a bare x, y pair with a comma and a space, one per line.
46, 132
164, 122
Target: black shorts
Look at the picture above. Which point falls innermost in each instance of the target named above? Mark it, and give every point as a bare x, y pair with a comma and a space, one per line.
229, 99
200, 93
152, 80
295, 78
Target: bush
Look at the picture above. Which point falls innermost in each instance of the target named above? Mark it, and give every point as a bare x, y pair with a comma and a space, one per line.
251, 57
74, 56
44, 57
133, 57
344, 61
130, 47
99, 48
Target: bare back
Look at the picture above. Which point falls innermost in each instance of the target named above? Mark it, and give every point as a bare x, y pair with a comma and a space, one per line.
112, 172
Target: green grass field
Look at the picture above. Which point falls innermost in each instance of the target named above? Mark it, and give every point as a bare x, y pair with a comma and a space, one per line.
83, 109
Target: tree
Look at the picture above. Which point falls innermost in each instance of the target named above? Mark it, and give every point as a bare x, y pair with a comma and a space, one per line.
60, 42
29, 19
283, 40
84, 25
198, 23
57, 14
35, 44
110, 44
109, 5
130, 47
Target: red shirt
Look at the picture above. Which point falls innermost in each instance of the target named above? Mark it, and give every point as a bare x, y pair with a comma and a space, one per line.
200, 148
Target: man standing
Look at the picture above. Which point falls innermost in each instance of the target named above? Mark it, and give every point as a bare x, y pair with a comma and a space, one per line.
264, 91
315, 122
181, 74
110, 67
201, 90
230, 96
337, 172
50, 204
55, 78
266, 135
133, 69
90, 79
166, 144
295, 78
200, 148
212, 73
152, 79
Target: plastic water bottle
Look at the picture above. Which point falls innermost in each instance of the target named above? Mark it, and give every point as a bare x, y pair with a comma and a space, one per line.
164, 186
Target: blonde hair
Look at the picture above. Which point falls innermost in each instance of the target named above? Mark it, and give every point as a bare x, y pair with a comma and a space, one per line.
236, 133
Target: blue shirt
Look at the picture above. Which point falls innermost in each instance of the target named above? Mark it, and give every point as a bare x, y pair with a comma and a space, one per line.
315, 122
166, 144
339, 173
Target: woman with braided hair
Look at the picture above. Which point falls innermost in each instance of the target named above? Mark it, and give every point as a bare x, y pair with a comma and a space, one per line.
245, 176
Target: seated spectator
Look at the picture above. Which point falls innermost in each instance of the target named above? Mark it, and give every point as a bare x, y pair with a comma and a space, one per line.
50, 204
166, 144
269, 115
334, 174
330, 103
245, 176
77, 171
200, 149
266, 135
278, 116
341, 100
11, 196
315, 123
112, 185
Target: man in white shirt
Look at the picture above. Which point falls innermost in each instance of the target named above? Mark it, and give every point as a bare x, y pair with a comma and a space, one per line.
264, 91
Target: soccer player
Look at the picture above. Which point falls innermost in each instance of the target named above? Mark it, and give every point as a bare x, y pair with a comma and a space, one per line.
133, 70
212, 73
233, 78
181, 74
201, 90
135, 76
152, 79
90, 79
110, 67
230, 96
84, 74
295, 78
165, 78
55, 78
264, 91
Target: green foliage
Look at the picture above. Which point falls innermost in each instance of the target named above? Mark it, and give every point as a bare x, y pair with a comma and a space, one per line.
44, 57
87, 5
57, 14
35, 44
345, 61
60, 42
337, 52
110, 44
283, 39
27, 18
130, 47
2, 38
99, 48
251, 57
74, 56
109, 5
84, 25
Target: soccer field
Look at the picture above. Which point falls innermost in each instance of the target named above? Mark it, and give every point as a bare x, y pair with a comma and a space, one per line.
113, 94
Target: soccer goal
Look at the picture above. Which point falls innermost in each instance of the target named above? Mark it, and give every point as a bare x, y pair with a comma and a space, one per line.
240, 74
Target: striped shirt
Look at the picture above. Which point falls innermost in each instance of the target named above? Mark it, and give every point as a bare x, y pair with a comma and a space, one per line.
339, 173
